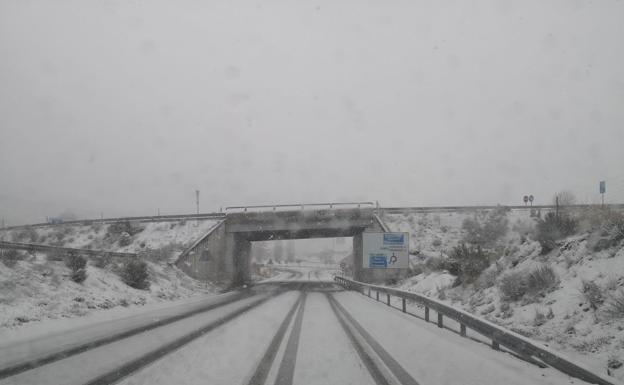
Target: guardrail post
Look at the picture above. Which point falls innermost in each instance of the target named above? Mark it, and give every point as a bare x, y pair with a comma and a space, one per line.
403, 305
462, 330
426, 314
495, 345
440, 320
377, 295
388, 303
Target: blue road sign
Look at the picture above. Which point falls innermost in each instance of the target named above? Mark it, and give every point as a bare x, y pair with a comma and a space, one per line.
377, 260
394, 239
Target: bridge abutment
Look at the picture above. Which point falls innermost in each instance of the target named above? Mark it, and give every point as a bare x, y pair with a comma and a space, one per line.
224, 254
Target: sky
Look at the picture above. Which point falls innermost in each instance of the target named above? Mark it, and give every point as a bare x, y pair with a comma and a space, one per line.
127, 107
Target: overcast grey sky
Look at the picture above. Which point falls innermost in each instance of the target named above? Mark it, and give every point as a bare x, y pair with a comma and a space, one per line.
127, 106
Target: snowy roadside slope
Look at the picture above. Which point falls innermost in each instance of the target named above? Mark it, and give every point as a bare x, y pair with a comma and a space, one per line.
562, 318
153, 235
39, 287
432, 234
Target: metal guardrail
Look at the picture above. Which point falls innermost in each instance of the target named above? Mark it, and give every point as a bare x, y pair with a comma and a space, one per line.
390, 210
156, 218
40, 247
302, 206
516, 343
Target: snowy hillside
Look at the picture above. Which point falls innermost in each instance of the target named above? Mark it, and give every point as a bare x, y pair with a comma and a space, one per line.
35, 286
571, 297
123, 236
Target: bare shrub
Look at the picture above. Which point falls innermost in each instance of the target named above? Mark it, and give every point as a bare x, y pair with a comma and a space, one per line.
592, 293
488, 277
436, 263
10, 257
552, 228
468, 263
102, 261
78, 266
542, 278
492, 229
564, 198
135, 274
614, 306
513, 285
116, 229
540, 318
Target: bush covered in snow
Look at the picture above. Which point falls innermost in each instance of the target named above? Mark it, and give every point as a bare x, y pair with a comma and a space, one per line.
10, 257
78, 266
27, 235
134, 273
116, 229
614, 307
468, 262
516, 284
552, 228
491, 230
593, 294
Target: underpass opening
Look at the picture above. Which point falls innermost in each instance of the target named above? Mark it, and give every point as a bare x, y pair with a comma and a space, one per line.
316, 258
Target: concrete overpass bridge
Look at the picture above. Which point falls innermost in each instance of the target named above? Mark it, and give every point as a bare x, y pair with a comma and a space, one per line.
224, 253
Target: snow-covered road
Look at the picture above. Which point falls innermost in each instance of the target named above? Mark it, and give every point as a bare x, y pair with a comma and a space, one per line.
318, 334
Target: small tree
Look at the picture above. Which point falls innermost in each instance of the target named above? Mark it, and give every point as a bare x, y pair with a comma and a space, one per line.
78, 266
564, 198
135, 274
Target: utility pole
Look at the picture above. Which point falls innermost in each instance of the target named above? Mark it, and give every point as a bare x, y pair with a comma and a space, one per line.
197, 198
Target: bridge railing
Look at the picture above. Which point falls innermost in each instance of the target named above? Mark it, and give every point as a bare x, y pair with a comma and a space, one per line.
516, 343
299, 206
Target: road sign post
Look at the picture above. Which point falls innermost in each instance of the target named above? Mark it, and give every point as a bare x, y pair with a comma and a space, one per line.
603, 189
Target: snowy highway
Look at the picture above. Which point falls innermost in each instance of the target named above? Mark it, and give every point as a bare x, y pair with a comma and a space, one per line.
300, 329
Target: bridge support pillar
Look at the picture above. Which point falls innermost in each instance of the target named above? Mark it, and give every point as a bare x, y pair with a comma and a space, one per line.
364, 274
237, 259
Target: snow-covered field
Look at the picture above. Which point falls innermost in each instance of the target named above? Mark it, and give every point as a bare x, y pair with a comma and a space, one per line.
38, 287
563, 318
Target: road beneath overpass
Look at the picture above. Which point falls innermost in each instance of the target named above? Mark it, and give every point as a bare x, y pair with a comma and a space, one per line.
297, 328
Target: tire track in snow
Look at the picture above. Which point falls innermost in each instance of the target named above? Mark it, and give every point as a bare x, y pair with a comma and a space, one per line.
349, 323
264, 366
287, 367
